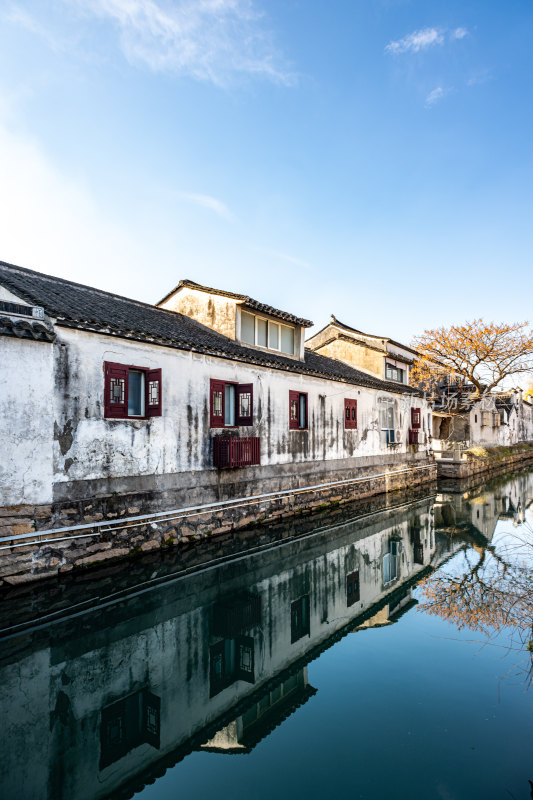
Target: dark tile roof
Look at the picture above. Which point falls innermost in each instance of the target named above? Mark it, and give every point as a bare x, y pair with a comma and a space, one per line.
335, 321
76, 306
242, 298
26, 329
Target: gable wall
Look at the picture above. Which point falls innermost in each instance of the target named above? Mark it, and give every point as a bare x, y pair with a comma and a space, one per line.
212, 310
358, 356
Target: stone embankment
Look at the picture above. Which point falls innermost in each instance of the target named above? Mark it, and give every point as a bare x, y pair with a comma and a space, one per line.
44, 541
485, 460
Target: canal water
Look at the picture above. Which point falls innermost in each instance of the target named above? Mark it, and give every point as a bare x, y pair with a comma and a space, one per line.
375, 651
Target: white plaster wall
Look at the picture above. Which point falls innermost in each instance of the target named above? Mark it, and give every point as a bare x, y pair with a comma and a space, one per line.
26, 421
519, 426
179, 440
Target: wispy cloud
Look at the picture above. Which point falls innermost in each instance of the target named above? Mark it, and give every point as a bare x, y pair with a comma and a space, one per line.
459, 33
419, 40
21, 17
479, 77
211, 203
209, 40
435, 95
423, 39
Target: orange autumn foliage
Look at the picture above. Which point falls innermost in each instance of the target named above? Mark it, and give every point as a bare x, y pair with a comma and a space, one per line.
481, 353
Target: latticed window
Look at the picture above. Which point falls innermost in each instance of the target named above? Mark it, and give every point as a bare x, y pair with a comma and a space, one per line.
245, 404
153, 392
117, 389
131, 392
230, 660
231, 404
128, 723
350, 413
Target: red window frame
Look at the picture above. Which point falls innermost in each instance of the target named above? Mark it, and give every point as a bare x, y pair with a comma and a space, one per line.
294, 411
350, 414
116, 379
416, 418
216, 419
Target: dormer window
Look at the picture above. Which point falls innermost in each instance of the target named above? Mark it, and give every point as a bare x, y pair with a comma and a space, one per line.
394, 373
261, 332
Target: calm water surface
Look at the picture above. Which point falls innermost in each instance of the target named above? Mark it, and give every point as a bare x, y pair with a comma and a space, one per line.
360, 654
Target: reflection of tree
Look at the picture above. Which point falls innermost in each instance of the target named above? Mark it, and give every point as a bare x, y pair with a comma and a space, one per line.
486, 591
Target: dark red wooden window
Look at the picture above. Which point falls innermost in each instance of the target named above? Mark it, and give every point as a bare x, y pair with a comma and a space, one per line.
244, 404
350, 413
244, 413
415, 418
115, 390
297, 410
217, 391
153, 393
116, 383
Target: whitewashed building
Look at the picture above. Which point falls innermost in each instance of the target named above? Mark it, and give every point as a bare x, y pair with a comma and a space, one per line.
499, 419
209, 395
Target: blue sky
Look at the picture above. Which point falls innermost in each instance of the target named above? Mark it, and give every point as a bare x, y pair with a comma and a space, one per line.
367, 158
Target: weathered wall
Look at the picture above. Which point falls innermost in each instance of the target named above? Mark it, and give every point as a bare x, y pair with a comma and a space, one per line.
363, 358
215, 311
124, 524
26, 421
87, 446
518, 426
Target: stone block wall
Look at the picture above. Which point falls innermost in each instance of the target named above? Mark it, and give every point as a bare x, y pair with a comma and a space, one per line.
66, 537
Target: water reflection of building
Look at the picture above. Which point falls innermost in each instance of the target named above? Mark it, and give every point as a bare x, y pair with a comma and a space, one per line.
478, 510
109, 697
260, 718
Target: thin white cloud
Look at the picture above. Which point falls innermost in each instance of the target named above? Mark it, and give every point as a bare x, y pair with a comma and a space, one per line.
479, 77
211, 203
209, 40
416, 41
459, 33
435, 95
21, 17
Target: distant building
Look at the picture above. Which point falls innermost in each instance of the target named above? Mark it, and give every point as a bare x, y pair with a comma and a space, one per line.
376, 355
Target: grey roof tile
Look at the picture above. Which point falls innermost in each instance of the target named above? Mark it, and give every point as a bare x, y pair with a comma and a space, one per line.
77, 306
249, 302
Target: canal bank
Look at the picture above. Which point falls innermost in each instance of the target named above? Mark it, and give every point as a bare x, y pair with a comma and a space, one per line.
484, 461
144, 680
44, 541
